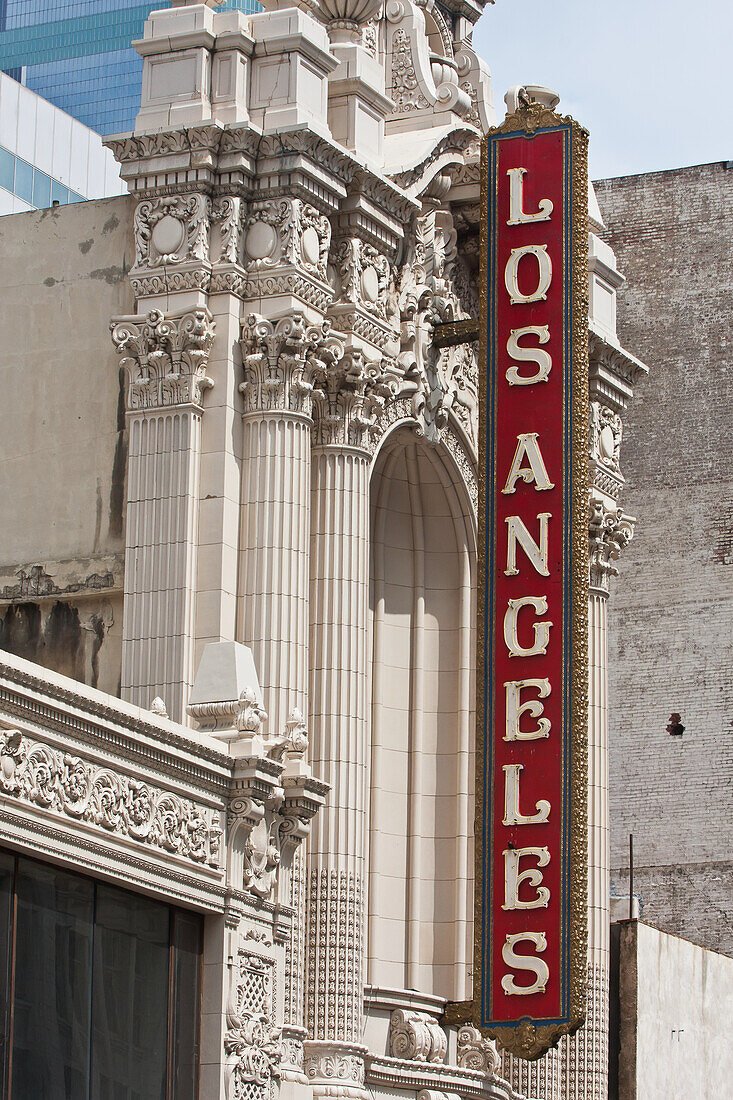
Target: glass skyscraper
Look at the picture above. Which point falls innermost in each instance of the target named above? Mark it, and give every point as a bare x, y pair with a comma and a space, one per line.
77, 54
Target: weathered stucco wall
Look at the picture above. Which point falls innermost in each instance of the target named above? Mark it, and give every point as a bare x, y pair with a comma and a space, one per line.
675, 1004
672, 607
63, 275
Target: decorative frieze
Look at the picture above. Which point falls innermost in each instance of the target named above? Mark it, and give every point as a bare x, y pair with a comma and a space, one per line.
335, 1064
287, 231
165, 358
416, 1037
80, 790
172, 229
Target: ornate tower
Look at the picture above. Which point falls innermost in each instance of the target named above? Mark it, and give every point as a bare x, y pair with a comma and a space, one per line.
302, 480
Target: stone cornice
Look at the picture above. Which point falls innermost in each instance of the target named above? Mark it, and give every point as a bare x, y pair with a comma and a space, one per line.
613, 371
42, 698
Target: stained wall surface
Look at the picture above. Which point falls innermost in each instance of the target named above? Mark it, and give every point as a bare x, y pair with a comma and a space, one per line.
671, 608
63, 275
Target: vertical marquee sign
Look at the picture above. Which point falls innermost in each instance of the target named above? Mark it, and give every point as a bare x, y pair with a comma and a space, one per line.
531, 824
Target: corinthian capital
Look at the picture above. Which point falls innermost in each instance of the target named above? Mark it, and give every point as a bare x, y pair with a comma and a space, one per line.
165, 357
282, 361
609, 532
347, 402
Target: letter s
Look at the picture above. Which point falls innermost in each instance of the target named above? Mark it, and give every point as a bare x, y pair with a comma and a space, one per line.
535, 966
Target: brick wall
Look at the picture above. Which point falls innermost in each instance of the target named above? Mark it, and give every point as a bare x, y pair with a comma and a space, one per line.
671, 612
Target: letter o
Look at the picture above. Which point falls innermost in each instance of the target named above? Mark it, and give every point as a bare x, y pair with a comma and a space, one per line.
544, 273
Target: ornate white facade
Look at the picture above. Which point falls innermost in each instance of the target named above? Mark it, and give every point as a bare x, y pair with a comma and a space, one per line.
301, 481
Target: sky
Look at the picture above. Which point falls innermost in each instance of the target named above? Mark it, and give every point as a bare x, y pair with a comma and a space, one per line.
651, 79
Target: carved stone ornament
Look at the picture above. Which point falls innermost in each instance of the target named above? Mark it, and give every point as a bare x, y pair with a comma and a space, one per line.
250, 714
609, 532
476, 1052
262, 857
347, 401
226, 214
78, 790
361, 275
404, 90
291, 232
252, 1046
165, 357
171, 229
334, 1063
282, 360
416, 1037
434, 287
606, 435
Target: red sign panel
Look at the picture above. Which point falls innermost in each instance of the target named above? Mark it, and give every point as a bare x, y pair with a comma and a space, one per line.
532, 672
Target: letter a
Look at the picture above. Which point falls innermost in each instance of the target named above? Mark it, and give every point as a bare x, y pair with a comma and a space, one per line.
529, 448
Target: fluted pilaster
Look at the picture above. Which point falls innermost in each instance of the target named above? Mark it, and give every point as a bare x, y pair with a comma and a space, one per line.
339, 730
346, 405
281, 364
166, 361
282, 361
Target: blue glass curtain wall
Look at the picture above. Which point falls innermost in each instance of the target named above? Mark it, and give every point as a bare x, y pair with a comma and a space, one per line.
31, 184
77, 54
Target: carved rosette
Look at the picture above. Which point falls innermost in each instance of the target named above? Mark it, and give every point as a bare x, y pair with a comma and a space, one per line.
477, 1052
416, 1037
609, 532
282, 362
165, 358
79, 790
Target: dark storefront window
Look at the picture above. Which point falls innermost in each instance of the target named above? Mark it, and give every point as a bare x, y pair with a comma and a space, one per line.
99, 989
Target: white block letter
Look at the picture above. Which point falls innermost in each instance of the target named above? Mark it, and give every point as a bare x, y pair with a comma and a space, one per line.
541, 630
536, 966
536, 552
513, 878
529, 448
512, 814
544, 273
515, 708
529, 355
517, 215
